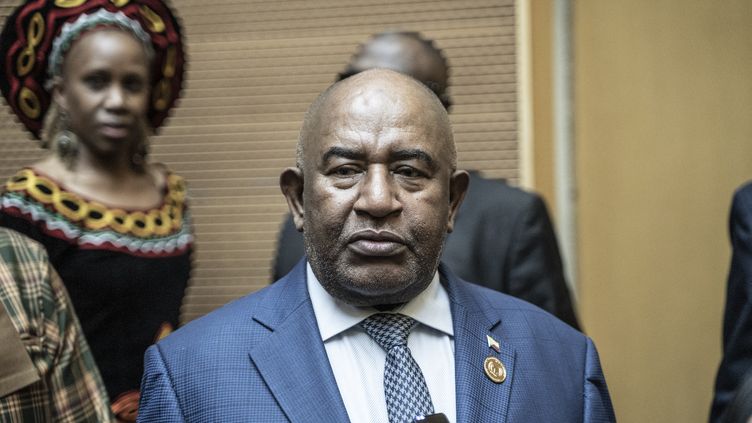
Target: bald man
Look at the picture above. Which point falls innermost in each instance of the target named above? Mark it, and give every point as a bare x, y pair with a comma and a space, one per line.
504, 239
370, 328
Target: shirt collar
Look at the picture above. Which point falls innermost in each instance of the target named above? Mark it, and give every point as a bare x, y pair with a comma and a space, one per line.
430, 307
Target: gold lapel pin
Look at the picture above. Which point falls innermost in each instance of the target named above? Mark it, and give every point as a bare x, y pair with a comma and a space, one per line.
495, 369
492, 343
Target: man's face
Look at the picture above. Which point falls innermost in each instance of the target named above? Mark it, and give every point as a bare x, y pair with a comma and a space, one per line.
377, 197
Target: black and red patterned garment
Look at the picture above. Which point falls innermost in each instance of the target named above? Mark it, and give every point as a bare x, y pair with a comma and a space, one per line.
125, 270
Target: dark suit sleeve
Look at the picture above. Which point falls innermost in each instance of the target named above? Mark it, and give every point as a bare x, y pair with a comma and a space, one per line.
597, 407
737, 321
536, 273
158, 401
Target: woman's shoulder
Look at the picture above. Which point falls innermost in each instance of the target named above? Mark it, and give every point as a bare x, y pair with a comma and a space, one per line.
36, 205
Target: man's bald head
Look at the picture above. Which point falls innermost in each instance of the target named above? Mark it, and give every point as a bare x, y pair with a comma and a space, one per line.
393, 96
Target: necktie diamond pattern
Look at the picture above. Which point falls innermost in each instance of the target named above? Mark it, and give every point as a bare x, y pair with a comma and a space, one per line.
404, 386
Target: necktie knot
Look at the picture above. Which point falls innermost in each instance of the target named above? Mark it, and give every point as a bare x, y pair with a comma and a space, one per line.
389, 330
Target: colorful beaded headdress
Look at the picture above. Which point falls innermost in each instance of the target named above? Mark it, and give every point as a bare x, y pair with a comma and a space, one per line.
38, 34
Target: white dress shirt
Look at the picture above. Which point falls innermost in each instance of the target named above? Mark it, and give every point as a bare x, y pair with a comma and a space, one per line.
358, 361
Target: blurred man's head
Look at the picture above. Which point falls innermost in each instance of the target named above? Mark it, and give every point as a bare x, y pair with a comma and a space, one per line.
404, 52
376, 189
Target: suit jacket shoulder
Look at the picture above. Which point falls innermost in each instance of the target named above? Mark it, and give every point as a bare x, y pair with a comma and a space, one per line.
514, 200
259, 358
553, 370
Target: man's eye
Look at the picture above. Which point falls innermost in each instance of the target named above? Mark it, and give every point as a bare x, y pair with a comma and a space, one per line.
345, 171
409, 172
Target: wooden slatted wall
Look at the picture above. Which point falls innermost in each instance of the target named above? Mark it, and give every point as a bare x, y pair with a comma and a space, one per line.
254, 67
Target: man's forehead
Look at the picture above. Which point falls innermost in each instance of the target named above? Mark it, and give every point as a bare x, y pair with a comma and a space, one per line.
372, 100
359, 129
378, 139
378, 108
374, 109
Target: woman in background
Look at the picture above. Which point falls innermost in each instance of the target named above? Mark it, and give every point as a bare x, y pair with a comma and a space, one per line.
92, 79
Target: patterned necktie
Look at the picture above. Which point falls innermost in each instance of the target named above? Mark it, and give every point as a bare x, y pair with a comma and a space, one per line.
404, 386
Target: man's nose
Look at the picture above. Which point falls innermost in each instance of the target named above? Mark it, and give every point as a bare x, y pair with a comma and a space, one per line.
377, 194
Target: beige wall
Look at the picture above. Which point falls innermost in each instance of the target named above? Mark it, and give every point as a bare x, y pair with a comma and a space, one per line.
664, 135
542, 107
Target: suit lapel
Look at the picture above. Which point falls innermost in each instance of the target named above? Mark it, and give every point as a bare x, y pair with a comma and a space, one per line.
479, 399
292, 359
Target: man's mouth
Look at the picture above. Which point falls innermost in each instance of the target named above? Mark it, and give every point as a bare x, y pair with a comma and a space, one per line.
372, 243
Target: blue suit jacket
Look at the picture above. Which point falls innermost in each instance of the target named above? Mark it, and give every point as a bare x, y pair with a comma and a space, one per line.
261, 358
737, 321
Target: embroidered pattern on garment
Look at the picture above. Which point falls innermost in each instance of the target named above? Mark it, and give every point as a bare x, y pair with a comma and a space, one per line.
161, 231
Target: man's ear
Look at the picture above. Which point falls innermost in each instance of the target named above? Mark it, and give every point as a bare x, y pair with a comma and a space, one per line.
458, 184
291, 184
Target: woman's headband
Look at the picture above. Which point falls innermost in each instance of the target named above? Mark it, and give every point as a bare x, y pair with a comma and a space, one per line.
101, 18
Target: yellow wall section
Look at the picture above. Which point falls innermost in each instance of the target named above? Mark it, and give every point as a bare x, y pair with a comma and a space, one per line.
541, 55
664, 135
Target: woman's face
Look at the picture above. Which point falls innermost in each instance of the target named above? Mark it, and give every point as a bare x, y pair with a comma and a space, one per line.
105, 92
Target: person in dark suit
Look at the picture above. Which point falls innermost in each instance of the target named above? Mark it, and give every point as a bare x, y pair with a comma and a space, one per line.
504, 238
369, 326
737, 320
